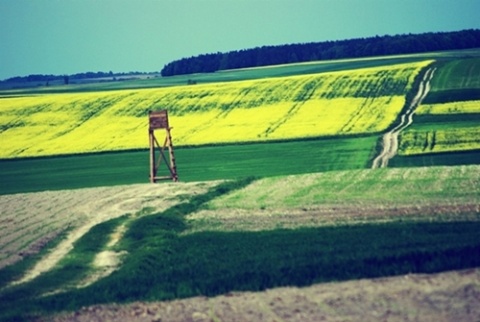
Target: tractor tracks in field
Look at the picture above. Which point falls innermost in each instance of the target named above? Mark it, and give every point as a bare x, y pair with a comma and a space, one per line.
390, 139
308, 89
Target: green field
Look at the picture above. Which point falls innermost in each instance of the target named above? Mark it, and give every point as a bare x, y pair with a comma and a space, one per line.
447, 121
181, 252
193, 164
456, 80
432, 159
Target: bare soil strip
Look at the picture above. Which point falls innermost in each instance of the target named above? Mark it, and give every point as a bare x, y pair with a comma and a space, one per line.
450, 296
390, 139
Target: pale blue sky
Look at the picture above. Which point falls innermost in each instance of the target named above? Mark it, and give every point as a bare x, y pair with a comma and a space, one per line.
71, 36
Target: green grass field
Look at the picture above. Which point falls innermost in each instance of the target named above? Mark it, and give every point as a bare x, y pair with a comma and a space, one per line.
167, 257
456, 80
384, 187
193, 164
432, 159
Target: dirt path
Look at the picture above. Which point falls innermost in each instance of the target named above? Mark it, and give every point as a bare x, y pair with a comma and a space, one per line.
390, 139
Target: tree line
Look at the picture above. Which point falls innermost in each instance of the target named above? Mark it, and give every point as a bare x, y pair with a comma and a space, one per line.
352, 48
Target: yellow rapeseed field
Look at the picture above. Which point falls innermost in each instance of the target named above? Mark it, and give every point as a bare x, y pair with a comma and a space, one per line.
338, 103
449, 108
441, 140
455, 137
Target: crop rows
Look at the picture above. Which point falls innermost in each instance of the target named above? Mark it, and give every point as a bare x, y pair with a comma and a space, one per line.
456, 80
338, 103
443, 127
448, 119
447, 140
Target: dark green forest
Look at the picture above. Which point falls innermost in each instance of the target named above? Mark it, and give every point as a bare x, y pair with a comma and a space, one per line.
352, 48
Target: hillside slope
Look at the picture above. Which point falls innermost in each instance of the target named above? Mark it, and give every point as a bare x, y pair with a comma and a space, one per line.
338, 103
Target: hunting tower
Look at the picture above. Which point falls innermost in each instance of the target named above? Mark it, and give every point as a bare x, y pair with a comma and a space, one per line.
158, 120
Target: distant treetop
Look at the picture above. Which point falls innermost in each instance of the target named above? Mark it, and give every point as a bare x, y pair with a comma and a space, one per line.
63, 78
352, 48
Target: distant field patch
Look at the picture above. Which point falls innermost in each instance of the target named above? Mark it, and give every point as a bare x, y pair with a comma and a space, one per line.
445, 140
457, 80
383, 187
337, 197
446, 127
338, 103
467, 107
448, 119
202, 163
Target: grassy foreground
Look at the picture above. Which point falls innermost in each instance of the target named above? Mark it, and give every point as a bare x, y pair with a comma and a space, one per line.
168, 257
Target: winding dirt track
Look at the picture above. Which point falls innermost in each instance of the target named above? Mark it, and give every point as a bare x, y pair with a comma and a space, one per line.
390, 139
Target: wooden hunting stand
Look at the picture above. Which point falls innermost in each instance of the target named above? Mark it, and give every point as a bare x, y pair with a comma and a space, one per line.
159, 120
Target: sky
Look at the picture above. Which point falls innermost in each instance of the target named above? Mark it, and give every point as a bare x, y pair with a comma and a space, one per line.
72, 36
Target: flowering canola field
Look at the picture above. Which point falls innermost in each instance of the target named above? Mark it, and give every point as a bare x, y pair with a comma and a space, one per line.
337, 103
457, 131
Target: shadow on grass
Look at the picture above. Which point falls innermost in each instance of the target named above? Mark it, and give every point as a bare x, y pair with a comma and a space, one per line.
212, 263
437, 159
